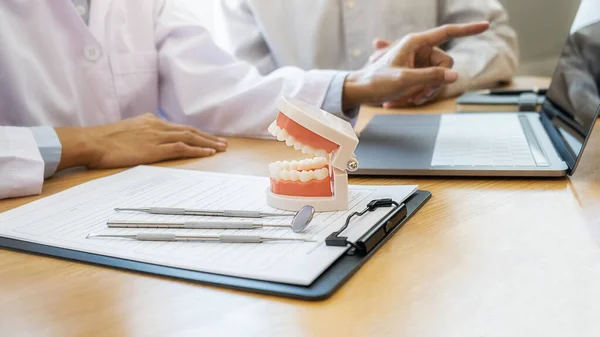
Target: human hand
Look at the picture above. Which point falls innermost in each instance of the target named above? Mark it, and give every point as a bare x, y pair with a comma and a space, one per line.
417, 96
140, 140
411, 68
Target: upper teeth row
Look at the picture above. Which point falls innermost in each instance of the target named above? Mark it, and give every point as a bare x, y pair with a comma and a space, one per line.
303, 176
283, 136
300, 165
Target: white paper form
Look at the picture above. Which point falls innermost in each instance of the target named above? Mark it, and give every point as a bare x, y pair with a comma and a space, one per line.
65, 219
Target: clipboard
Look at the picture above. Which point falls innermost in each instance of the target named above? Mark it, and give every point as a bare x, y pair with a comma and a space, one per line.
323, 287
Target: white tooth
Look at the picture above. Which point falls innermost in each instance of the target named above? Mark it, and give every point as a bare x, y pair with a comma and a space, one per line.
285, 175
307, 149
294, 175
316, 174
274, 129
303, 165
304, 176
321, 174
285, 165
290, 141
298, 146
320, 153
273, 167
294, 165
277, 176
282, 135
316, 163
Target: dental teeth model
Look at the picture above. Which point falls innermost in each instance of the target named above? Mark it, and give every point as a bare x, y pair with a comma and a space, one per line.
320, 181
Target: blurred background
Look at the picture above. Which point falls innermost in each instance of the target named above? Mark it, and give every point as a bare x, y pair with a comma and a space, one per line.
542, 26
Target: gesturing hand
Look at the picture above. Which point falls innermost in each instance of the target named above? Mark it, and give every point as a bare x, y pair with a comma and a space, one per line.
140, 140
417, 96
411, 66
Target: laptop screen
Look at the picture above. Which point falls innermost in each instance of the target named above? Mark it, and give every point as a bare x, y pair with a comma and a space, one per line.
573, 99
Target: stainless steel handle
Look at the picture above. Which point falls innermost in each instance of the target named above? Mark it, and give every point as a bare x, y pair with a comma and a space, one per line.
220, 225
242, 214
156, 237
240, 239
166, 210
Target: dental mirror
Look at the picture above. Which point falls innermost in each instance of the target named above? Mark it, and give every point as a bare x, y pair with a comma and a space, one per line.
302, 218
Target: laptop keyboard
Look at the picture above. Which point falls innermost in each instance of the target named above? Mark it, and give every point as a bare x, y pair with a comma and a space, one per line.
482, 140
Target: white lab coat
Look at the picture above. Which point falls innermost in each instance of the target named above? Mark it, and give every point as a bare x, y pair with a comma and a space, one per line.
135, 56
338, 34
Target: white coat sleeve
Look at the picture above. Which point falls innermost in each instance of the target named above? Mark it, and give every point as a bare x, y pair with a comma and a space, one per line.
483, 60
204, 86
21, 165
237, 31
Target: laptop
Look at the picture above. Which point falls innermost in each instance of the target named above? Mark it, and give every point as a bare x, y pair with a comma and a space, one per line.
548, 143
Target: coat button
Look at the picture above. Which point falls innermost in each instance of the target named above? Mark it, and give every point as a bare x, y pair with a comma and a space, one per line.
81, 10
92, 53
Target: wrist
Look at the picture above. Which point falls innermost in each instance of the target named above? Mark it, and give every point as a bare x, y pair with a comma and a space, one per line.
77, 147
351, 92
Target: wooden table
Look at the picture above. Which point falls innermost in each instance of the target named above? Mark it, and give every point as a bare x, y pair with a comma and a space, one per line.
485, 257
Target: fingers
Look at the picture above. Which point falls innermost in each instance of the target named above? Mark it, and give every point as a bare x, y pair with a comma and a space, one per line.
417, 96
405, 100
391, 84
433, 76
425, 95
166, 125
180, 150
442, 34
168, 132
176, 127
380, 44
195, 137
397, 104
191, 138
440, 58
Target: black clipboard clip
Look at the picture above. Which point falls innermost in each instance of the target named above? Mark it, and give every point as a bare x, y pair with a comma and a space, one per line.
376, 233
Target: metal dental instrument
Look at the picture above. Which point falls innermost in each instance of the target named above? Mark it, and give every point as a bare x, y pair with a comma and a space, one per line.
193, 237
204, 212
301, 220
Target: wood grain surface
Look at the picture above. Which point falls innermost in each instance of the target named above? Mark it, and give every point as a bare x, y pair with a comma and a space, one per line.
485, 257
